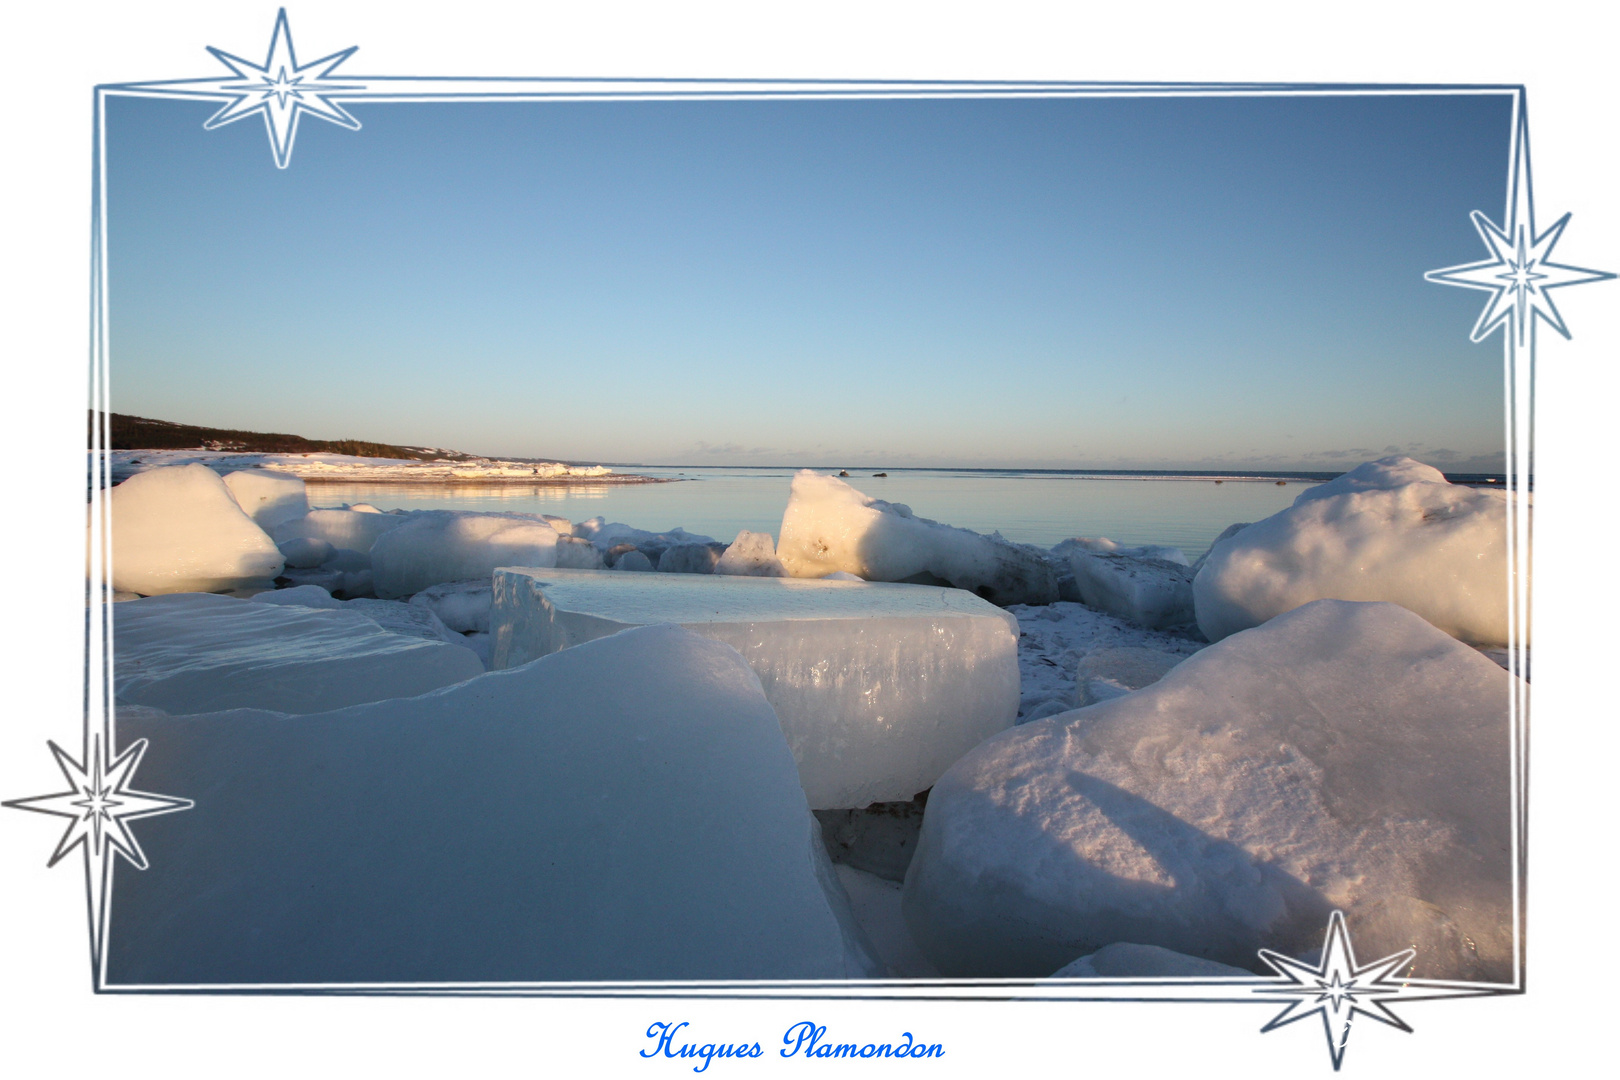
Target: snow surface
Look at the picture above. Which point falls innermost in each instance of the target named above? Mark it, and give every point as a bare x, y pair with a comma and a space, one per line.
879, 687
830, 526
179, 530
267, 498
553, 822
1344, 755
432, 547
1055, 639
1385, 474
196, 652
1435, 548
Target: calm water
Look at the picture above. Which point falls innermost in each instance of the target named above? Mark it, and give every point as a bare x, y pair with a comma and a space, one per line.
1035, 508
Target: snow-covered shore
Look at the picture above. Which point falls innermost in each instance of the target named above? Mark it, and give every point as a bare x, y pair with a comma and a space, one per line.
318, 467
1128, 759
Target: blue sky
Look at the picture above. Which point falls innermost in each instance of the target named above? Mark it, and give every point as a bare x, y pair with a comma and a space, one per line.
1182, 283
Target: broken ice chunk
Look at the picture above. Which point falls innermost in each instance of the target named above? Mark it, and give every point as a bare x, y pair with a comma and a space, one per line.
436, 546
555, 822
1148, 586
752, 554
830, 526
178, 529
195, 652
879, 687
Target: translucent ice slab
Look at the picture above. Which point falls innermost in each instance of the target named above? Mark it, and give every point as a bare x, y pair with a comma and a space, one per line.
879, 687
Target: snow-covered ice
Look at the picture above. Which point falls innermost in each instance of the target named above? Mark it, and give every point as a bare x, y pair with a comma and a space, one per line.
1150, 586
578, 554
305, 552
690, 558
607, 535
1344, 755
1388, 530
830, 526
558, 821
1385, 474
1104, 674
267, 498
633, 560
179, 529
1056, 639
412, 620
463, 606
876, 904
752, 554
878, 687
353, 530
436, 546
196, 652
1123, 960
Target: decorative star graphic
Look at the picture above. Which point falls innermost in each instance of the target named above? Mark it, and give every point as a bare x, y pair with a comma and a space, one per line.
1520, 274
283, 90
1337, 989
100, 803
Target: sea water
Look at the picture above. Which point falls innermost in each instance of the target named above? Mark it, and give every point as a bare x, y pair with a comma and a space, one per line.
1033, 507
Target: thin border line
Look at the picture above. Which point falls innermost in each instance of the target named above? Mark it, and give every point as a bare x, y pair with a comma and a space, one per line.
649, 89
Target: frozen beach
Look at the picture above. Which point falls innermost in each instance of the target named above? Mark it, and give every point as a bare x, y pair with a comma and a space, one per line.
1005, 756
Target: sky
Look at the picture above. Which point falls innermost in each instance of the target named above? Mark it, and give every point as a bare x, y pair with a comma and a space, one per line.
1223, 283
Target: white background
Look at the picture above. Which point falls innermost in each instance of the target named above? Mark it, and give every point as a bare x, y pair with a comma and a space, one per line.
49, 1018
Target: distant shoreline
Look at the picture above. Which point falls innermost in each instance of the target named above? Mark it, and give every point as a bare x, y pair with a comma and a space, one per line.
548, 481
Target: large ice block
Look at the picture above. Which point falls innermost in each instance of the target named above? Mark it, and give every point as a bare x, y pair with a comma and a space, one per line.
439, 546
178, 529
559, 821
1342, 756
879, 687
829, 526
354, 530
268, 498
196, 652
1393, 530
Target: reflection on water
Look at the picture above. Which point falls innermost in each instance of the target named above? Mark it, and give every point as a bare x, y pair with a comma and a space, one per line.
1031, 508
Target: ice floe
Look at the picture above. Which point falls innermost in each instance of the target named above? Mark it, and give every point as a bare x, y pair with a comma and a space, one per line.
1389, 530
179, 530
830, 526
1344, 755
879, 687
197, 652
557, 821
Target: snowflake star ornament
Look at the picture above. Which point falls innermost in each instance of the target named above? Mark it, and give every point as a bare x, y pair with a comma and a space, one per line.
1520, 274
1337, 989
282, 90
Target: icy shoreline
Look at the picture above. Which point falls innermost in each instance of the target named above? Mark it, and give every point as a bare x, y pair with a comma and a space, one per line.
316, 468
